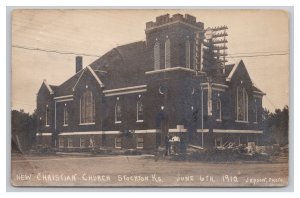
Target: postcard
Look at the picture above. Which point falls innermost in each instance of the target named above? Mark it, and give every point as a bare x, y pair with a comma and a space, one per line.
150, 98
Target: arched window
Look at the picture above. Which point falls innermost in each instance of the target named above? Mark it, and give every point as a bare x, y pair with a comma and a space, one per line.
242, 104
156, 56
139, 111
187, 54
219, 110
167, 53
118, 112
87, 108
66, 115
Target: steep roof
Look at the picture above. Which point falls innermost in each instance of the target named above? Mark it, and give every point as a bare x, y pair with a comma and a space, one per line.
125, 66
66, 87
233, 69
128, 54
127, 63
238, 66
228, 69
54, 88
49, 87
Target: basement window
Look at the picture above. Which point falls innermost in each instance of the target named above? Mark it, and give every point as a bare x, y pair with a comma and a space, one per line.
92, 142
82, 142
118, 143
61, 142
70, 142
140, 143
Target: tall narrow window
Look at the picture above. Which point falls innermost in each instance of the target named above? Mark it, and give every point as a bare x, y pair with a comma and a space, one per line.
156, 56
242, 104
66, 115
255, 114
167, 53
219, 110
188, 54
87, 106
140, 111
118, 112
47, 123
255, 111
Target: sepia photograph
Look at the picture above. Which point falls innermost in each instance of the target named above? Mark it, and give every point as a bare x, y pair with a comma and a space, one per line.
150, 98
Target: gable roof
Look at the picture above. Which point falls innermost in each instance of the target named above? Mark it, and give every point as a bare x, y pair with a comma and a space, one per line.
228, 69
49, 87
232, 72
88, 68
66, 87
127, 59
234, 69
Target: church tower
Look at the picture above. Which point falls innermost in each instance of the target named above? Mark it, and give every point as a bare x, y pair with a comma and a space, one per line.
173, 41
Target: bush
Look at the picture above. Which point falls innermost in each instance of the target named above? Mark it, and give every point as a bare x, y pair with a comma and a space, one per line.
228, 155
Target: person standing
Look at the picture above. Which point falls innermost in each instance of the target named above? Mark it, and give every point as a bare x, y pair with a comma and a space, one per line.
168, 144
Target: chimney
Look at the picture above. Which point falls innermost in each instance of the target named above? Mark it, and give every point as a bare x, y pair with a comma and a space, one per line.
78, 63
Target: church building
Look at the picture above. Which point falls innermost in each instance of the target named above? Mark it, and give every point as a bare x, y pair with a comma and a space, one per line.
175, 83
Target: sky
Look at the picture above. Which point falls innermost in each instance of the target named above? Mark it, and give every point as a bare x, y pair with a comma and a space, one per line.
94, 32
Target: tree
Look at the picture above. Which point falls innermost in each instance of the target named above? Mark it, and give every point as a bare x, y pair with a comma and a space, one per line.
23, 130
276, 126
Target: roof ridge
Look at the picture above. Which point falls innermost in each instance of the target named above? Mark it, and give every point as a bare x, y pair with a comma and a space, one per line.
131, 43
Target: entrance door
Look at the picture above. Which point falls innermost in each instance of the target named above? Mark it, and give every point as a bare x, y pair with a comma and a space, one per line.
162, 125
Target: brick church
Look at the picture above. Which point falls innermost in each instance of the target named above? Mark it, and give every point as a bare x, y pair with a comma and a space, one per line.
175, 83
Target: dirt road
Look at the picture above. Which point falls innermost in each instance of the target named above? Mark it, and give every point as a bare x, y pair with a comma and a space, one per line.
62, 170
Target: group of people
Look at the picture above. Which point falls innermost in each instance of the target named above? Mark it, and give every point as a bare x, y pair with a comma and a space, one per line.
172, 145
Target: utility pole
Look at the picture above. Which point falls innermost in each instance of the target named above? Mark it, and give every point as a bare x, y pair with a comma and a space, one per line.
214, 59
209, 113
